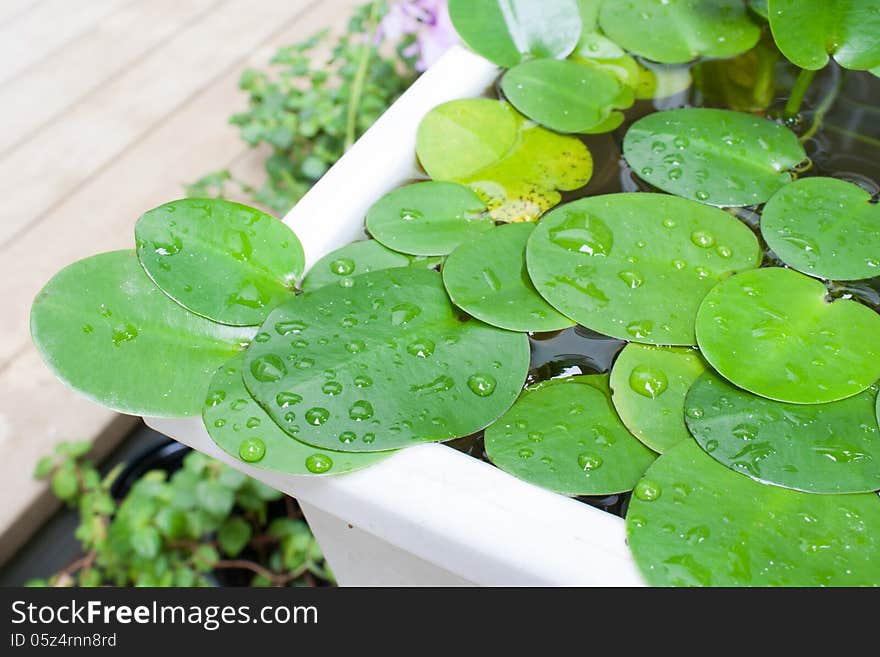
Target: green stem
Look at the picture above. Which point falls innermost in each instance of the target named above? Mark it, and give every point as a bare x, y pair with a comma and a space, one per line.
801, 85
822, 109
357, 85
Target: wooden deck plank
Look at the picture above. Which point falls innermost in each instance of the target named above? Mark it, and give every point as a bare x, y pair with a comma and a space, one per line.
31, 35
99, 216
56, 82
38, 174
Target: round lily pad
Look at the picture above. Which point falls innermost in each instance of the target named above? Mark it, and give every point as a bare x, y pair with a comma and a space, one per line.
487, 278
225, 261
389, 360
507, 31
759, 7
808, 31
339, 266
772, 332
693, 522
514, 165
816, 448
522, 185
650, 384
244, 430
636, 266
679, 31
428, 218
714, 156
108, 332
824, 227
461, 137
563, 95
568, 439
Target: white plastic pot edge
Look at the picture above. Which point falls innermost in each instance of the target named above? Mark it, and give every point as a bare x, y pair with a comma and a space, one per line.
471, 520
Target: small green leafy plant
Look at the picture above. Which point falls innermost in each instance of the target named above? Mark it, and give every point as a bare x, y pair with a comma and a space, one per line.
309, 111
742, 414
188, 528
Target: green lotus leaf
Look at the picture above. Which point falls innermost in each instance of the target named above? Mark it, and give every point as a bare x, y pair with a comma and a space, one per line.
241, 428
487, 278
624, 67
523, 185
808, 31
816, 448
563, 95
428, 218
568, 439
351, 260
759, 7
389, 360
460, 137
507, 31
597, 50
717, 157
772, 332
693, 522
225, 261
650, 384
824, 227
680, 31
515, 166
108, 332
636, 266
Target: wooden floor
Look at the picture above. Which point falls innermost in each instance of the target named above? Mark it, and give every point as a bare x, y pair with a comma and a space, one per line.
107, 107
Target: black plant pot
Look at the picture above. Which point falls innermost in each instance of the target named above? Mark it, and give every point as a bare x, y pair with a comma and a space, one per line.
167, 456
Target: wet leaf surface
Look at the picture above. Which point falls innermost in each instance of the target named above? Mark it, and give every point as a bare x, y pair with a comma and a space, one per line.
563, 95
568, 439
340, 266
636, 266
244, 430
508, 31
808, 31
816, 448
824, 227
225, 261
383, 364
681, 30
108, 332
693, 522
428, 218
487, 278
650, 384
772, 332
714, 156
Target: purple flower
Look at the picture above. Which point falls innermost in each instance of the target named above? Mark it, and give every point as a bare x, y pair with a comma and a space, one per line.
428, 20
